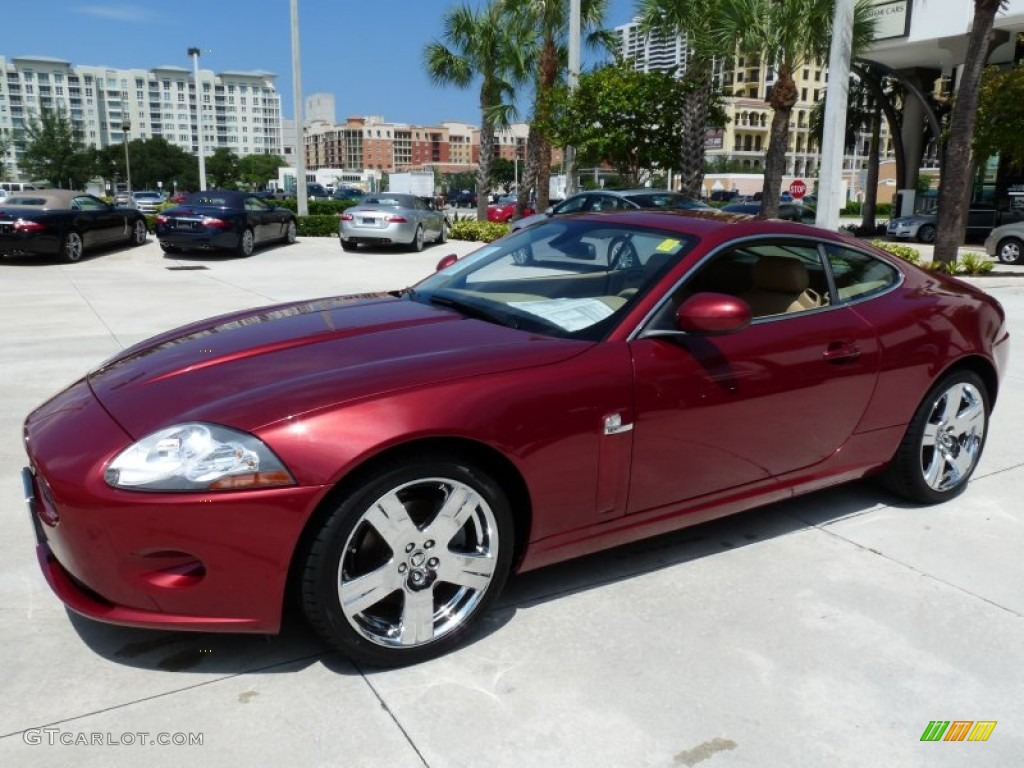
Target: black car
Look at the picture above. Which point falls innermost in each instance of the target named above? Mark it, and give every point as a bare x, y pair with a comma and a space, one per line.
617, 200
805, 214
348, 193
60, 222
224, 220
463, 199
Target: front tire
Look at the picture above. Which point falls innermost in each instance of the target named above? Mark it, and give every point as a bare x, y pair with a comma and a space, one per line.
443, 236
290, 233
943, 442
72, 247
1009, 251
246, 243
407, 565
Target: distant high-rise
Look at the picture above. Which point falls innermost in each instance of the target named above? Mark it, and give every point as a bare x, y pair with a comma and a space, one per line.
652, 51
241, 111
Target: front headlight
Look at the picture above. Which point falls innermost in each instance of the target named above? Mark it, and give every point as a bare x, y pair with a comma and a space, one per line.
197, 457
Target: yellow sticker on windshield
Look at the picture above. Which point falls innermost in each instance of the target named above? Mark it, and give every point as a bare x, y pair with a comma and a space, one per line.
667, 245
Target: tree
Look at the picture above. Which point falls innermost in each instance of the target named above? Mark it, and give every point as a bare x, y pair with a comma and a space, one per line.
503, 172
622, 117
547, 22
1000, 122
483, 44
154, 162
55, 153
955, 191
786, 35
695, 19
257, 170
6, 142
222, 169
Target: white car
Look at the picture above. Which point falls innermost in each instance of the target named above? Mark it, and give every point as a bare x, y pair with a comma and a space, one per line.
1006, 243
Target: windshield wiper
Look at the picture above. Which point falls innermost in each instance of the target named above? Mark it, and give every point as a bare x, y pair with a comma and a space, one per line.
472, 309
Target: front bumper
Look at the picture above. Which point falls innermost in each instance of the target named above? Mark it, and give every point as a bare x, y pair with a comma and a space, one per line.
901, 232
210, 562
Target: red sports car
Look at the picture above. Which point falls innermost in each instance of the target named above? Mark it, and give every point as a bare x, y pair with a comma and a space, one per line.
505, 209
390, 459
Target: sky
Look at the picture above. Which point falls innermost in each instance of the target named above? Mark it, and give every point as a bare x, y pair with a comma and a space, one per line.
368, 54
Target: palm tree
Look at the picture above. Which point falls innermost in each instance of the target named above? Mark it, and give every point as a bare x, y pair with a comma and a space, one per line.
787, 34
693, 19
955, 191
484, 44
548, 21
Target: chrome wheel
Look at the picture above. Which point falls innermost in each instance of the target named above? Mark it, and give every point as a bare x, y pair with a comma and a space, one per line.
418, 562
139, 233
1009, 251
952, 437
406, 566
246, 243
944, 441
72, 246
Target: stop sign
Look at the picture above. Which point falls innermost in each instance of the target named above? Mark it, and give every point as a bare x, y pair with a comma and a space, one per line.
798, 189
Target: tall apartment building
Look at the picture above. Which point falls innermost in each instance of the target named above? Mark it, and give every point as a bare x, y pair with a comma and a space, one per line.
241, 111
652, 52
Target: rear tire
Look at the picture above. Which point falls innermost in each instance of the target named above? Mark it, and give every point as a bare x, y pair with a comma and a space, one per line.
406, 566
926, 233
246, 244
139, 233
1010, 250
943, 442
417, 240
168, 248
72, 247
348, 246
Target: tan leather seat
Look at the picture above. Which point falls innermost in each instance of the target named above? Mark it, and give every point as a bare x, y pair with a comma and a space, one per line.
781, 285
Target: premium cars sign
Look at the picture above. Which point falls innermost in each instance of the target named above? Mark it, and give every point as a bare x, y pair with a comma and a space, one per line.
891, 17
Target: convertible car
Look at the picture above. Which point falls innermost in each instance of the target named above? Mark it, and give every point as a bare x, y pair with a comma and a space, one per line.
387, 460
224, 220
60, 222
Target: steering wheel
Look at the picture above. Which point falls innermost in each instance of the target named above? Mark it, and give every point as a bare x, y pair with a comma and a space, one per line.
622, 253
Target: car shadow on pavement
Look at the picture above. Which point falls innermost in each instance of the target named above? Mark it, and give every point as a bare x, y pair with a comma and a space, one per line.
297, 646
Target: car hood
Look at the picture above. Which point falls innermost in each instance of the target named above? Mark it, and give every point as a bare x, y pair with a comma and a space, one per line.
253, 368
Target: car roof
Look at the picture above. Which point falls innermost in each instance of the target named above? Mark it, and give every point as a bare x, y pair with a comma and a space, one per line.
224, 198
53, 199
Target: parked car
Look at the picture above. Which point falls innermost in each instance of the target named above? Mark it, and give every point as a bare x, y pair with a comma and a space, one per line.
982, 218
348, 193
505, 208
224, 220
805, 214
464, 199
60, 222
616, 200
1006, 243
388, 459
148, 202
391, 218
317, 192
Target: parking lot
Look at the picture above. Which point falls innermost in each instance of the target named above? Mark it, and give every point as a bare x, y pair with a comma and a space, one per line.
829, 630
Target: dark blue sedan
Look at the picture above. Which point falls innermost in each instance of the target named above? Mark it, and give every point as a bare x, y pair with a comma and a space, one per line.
224, 220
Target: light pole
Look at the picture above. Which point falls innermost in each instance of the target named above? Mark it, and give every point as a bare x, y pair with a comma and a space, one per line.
125, 126
569, 157
194, 53
300, 142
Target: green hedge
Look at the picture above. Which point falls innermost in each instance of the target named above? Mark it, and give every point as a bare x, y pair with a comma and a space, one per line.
478, 231
317, 207
855, 208
318, 226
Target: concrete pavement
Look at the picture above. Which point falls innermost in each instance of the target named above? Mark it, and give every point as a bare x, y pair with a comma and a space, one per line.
829, 630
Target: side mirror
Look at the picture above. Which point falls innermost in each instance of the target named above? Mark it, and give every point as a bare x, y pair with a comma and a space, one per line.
446, 261
549, 211
713, 314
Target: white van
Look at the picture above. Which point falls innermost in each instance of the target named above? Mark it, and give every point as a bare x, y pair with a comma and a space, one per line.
8, 188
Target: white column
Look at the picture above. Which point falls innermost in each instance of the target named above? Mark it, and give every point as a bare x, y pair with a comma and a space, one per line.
830, 177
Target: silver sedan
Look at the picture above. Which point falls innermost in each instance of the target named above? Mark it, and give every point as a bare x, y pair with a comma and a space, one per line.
385, 218
1006, 243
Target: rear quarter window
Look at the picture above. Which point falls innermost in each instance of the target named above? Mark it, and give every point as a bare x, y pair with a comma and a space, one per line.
858, 275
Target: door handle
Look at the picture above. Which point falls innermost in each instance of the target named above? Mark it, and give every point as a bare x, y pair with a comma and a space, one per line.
841, 352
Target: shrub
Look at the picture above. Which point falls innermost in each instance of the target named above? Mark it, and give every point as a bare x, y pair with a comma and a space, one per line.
905, 252
478, 231
972, 263
317, 226
317, 207
151, 222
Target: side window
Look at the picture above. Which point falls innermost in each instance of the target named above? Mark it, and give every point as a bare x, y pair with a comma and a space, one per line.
254, 204
858, 275
87, 204
774, 278
574, 204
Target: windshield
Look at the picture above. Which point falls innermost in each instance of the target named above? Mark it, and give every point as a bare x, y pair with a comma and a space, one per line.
568, 278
